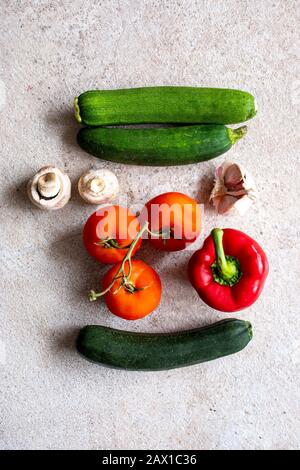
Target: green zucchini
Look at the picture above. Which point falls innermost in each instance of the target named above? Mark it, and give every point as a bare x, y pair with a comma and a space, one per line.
146, 351
169, 104
159, 146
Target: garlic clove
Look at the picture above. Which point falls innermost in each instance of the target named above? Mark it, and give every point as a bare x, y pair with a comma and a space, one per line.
50, 188
225, 204
234, 189
233, 177
98, 186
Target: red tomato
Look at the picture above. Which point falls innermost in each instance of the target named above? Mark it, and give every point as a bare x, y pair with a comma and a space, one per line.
108, 233
139, 303
177, 216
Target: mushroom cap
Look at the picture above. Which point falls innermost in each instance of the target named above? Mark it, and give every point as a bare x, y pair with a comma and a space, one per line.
98, 186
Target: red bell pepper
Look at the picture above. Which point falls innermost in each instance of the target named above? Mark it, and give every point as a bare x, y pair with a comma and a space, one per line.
229, 271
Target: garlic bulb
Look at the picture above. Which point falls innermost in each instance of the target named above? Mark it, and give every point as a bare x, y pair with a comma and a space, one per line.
98, 186
50, 188
234, 189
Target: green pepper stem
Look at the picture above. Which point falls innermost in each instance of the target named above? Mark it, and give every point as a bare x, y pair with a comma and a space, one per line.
228, 267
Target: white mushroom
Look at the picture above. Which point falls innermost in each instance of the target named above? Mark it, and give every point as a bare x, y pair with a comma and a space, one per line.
234, 189
50, 188
98, 186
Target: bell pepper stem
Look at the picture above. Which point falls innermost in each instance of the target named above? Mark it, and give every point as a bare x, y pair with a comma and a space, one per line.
227, 266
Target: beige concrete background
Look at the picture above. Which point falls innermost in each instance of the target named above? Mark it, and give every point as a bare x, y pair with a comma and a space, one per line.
52, 398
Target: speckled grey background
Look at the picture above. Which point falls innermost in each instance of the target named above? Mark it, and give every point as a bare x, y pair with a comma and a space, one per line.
51, 398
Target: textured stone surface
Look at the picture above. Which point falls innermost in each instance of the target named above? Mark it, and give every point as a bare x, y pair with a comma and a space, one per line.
51, 398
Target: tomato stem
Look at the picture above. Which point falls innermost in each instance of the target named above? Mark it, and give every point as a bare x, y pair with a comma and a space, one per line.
125, 278
110, 243
164, 233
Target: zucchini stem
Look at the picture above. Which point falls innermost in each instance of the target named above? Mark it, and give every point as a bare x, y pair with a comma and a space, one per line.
237, 134
77, 110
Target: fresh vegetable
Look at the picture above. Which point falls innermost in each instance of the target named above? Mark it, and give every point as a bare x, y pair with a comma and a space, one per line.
133, 296
159, 147
234, 189
131, 289
229, 271
146, 351
174, 221
98, 186
108, 233
49, 188
168, 104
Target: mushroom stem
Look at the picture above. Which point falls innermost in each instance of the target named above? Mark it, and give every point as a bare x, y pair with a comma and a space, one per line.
48, 185
96, 185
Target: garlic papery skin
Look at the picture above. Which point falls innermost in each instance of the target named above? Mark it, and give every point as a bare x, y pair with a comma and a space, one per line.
50, 188
98, 186
234, 189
